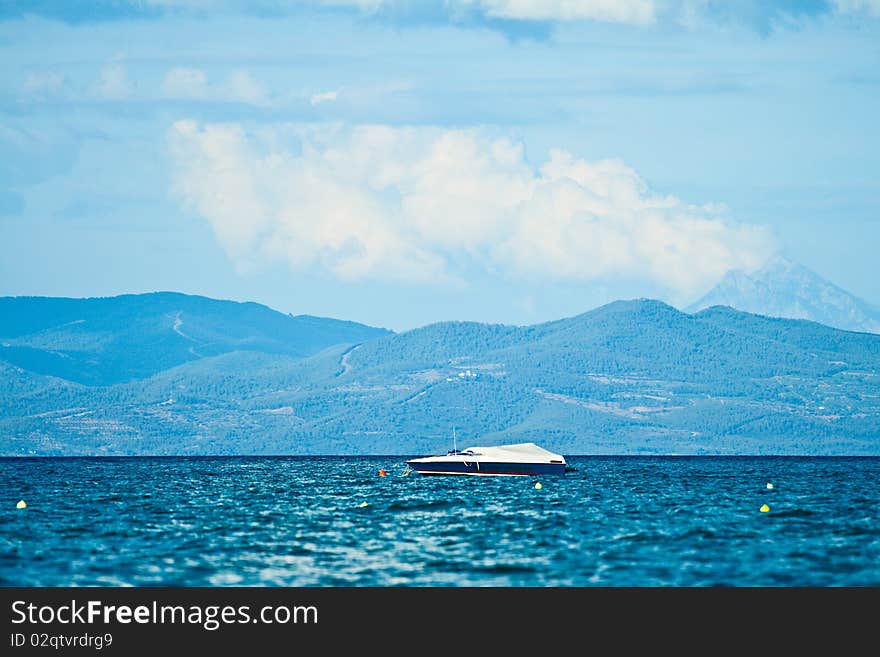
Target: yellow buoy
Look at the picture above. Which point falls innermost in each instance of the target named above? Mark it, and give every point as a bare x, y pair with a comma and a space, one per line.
764, 508
769, 486
538, 486
21, 505
363, 504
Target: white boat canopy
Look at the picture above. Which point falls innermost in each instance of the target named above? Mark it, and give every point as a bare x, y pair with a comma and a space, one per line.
517, 453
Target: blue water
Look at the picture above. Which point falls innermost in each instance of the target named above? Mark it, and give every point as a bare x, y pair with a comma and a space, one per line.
297, 522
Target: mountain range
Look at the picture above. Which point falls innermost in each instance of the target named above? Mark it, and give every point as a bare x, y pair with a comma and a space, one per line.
783, 288
169, 373
103, 341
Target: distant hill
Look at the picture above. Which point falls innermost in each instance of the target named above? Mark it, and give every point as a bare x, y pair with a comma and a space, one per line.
635, 377
102, 341
783, 288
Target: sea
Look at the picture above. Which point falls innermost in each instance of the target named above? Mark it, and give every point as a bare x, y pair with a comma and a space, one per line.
334, 521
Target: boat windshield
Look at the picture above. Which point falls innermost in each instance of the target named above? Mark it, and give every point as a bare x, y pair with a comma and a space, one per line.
459, 452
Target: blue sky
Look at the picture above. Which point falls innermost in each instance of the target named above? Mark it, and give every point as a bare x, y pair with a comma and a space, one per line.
399, 162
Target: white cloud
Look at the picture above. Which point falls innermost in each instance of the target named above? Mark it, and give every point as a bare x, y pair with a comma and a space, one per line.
241, 87
610, 11
428, 204
44, 83
185, 83
869, 7
192, 84
691, 13
323, 97
113, 83
363, 5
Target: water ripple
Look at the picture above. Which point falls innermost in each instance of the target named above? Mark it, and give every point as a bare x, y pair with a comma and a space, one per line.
300, 522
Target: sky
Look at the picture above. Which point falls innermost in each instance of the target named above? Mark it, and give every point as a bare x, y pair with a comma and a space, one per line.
402, 162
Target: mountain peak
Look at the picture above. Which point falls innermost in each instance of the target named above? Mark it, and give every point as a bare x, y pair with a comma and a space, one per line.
785, 288
780, 265
639, 306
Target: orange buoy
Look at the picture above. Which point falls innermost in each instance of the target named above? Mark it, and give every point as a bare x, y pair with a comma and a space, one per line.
382, 473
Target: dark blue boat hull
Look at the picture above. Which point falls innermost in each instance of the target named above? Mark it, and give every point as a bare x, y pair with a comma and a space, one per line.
488, 468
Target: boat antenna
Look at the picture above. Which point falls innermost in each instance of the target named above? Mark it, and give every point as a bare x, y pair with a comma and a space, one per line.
454, 445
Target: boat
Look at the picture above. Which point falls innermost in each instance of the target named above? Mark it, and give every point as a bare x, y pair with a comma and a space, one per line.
520, 459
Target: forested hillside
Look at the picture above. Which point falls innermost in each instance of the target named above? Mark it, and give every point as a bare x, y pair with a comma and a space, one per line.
629, 377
